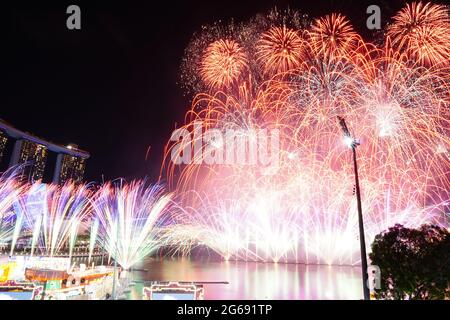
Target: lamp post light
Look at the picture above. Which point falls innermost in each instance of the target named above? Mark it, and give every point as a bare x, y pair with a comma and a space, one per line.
352, 143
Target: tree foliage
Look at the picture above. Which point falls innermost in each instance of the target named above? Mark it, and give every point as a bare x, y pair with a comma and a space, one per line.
414, 263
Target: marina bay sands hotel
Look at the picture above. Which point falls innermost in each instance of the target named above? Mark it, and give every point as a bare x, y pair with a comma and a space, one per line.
35, 154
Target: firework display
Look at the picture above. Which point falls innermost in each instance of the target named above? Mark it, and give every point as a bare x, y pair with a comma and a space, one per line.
52, 214
10, 190
280, 50
129, 216
421, 31
124, 219
277, 83
223, 63
394, 95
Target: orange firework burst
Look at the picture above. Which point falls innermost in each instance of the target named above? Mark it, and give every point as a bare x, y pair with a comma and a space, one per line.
333, 34
422, 31
279, 50
223, 63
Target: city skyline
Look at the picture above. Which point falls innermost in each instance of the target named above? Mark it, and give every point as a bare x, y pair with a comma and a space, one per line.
20, 149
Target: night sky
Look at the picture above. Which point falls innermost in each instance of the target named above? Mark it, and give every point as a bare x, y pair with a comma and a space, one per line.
111, 87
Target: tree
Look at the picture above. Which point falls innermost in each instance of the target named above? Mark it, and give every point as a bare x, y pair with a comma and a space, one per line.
414, 263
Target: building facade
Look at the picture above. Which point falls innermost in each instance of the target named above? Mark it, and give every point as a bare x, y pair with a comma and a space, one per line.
31, 155
69, 167
3, 141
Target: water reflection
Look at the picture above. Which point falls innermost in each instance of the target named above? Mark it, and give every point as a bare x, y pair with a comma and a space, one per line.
251, 280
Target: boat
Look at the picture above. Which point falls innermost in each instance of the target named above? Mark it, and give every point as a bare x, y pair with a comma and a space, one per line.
58, 280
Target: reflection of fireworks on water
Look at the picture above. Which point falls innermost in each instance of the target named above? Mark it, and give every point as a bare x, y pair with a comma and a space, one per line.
306, 210
129, 216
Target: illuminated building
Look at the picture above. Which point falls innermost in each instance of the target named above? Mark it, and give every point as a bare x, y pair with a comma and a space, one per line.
33, 155
69, 167
3, 140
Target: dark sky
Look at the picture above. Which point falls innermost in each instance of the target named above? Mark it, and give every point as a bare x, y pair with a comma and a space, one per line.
112, 87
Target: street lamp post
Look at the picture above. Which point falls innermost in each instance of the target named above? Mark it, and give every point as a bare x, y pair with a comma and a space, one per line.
353, 144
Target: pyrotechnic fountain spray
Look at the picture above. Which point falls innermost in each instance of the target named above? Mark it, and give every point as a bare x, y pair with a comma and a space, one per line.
16, 232
10, 190
73, 233
53, 213
93, 238
129, 218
